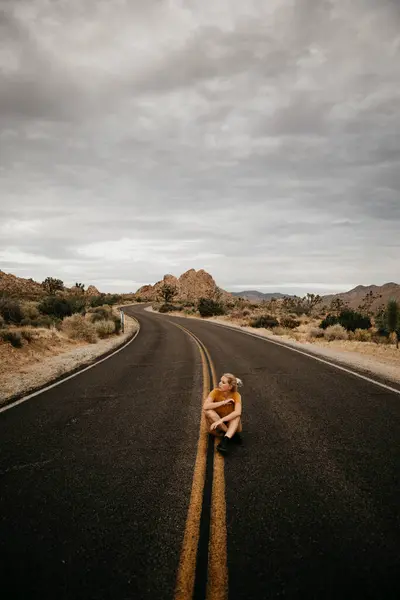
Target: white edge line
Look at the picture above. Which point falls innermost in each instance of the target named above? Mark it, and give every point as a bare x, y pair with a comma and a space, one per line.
49, 387
327, 362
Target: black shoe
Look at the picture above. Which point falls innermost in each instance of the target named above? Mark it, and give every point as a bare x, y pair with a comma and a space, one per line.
237, 438
223, 445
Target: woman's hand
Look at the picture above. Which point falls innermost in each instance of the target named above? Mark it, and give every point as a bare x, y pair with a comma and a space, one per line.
229, 400
215, 424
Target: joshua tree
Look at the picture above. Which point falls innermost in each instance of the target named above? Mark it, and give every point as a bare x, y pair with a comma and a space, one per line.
52, 285
168, 292
393, 319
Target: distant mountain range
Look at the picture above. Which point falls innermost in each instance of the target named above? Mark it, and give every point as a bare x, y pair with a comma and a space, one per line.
382, 293
353, 297
255, 296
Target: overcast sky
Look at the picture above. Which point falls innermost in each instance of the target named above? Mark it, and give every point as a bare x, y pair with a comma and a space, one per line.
257, 140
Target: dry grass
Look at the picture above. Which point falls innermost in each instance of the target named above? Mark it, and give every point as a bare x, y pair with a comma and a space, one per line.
104, 328
77, 327
47, 354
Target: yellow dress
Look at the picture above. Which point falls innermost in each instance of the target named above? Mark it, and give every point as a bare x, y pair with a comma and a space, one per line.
218, 396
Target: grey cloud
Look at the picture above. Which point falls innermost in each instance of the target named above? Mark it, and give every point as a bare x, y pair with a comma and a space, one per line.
269, 141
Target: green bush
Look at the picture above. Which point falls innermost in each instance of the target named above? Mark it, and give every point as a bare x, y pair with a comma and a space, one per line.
210, 308
108, 299
266, 321
352, 320
29, 310
56, 307
96, 317
10, 310
164, 308
46, 321
349, 319
100, 312
13, 337
117, 323
77, 303
328, 321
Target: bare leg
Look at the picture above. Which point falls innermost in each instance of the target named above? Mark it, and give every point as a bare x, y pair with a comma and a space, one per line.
211, 417
234, 426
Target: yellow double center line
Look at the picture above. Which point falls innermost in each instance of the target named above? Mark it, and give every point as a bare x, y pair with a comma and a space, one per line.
217, 570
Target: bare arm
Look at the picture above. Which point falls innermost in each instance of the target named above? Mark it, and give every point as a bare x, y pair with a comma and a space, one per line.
236, 413
209, 404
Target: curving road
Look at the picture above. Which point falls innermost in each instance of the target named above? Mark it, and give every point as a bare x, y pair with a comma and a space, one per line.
96, 475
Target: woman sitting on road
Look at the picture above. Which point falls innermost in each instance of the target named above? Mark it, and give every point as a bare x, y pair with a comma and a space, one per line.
224, 405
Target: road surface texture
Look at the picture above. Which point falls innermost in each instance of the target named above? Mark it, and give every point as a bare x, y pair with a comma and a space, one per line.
96, 475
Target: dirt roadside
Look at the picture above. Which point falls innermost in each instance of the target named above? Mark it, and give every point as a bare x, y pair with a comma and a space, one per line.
50, 357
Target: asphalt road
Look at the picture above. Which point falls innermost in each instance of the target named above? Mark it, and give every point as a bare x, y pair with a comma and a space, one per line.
96, 474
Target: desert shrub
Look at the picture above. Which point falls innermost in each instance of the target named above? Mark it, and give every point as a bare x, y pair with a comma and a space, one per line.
13, 337
166, 307
377, 338
10, 310
352, 320
289, 322
77, 327
29, 310
77, 303
117, 323
210, 308
329, 321
100, 312
96, 317
56, 307
46, 321
94, 301
112, 299
27, 335
295, 335
2, 322
349, 319
281, 331
335, 332
104, 328
41, 321
316, 332
266, 321
104, 299
362, 335
236, 313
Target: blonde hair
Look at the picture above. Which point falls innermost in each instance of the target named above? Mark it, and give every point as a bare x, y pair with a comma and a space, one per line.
233, 381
